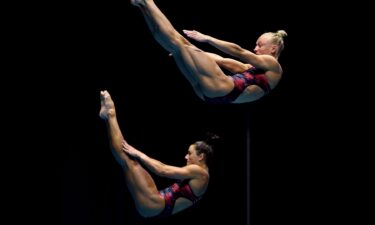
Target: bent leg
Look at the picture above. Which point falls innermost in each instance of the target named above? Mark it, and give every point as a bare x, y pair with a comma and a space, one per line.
202, 71
139, 182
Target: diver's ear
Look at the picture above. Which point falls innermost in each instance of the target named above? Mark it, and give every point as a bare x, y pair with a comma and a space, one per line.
273, 49
201, 157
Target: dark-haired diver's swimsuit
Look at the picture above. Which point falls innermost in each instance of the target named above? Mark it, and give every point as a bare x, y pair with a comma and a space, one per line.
241, 82
175, 191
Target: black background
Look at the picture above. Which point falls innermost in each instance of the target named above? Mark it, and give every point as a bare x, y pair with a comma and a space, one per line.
70, 52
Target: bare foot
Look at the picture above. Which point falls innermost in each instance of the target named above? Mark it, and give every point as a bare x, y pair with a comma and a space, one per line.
107, 105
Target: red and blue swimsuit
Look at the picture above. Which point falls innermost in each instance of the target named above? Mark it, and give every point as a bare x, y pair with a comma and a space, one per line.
175, 191
252, 76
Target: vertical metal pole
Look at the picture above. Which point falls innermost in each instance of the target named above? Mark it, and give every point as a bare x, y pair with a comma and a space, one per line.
247, 170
